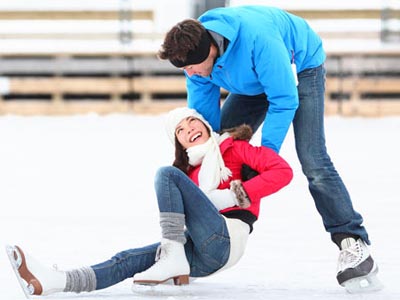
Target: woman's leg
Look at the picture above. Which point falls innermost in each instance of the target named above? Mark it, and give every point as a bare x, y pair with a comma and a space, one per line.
207, 240
124, 265
207, 244
207, 248
39, 279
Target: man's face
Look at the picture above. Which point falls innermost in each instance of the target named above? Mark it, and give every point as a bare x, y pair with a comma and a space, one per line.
204, 68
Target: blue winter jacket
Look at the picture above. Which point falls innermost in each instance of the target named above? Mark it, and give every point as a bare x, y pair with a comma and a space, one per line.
262, 43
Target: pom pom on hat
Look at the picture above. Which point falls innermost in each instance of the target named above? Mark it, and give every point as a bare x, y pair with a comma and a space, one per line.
175, 116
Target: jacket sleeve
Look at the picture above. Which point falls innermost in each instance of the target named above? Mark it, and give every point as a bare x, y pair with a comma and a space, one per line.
272, 61
204, 97
223, 198
274, 171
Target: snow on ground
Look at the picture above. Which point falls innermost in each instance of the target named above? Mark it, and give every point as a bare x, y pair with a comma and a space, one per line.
75, 190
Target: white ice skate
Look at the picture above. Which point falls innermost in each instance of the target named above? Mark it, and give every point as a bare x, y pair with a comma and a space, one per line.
171, 263
34, 278
357, 271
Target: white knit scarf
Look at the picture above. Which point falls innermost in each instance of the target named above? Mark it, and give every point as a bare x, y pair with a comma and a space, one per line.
213, 170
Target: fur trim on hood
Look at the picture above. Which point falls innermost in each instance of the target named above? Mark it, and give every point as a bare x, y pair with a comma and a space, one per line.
241, 132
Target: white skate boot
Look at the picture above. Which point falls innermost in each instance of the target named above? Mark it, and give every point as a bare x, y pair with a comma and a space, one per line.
356, 268
171, 263
35, 278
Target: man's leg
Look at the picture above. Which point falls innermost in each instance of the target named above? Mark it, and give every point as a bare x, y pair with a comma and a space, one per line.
241, 109
329, 192
330, 195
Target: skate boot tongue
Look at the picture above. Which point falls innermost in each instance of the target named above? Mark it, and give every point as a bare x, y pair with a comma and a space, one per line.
347, 243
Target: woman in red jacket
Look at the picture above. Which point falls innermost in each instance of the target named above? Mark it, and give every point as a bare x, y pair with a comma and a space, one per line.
206, 213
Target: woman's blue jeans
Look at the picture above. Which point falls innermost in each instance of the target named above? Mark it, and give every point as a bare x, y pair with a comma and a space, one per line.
207, 247
327, 188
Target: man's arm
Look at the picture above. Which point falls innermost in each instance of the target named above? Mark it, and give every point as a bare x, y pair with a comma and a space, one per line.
272, 62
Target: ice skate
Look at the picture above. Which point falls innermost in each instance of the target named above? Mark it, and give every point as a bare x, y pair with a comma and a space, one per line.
34, 278
171, 263
357, 271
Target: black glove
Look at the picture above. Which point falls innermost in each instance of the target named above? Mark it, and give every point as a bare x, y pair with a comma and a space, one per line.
247, 172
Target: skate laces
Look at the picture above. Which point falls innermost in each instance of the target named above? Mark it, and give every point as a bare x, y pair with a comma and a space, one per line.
350, 257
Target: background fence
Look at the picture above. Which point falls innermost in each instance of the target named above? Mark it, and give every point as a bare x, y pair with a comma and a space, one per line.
65, 58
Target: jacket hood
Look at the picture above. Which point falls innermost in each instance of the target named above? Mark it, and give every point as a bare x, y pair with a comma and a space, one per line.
241, 132
218, 21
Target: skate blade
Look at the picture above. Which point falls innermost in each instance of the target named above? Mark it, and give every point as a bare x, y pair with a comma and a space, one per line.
177, 280
364, 284
161, 290
15, 259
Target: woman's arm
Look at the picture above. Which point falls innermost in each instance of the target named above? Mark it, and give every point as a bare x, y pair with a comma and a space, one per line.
274, 171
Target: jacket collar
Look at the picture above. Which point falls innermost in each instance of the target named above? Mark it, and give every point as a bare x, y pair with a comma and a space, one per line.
226, 144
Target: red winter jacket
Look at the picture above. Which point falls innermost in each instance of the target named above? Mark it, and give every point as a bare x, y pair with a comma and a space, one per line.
274, 173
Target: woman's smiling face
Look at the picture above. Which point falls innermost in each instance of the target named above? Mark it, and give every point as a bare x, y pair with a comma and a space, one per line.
191, 132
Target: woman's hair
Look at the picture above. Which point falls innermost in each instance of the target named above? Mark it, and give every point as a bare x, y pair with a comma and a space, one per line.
181, 158
182, 38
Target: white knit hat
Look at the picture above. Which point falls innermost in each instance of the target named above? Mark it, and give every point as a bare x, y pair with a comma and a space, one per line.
176, 115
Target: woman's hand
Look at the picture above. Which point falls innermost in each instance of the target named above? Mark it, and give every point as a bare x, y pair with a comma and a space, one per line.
241, 195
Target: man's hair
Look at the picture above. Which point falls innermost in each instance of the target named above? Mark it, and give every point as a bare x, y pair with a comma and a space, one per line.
180, 39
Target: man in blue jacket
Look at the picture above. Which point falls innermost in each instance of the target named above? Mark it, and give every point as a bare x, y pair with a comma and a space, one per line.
271, 63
